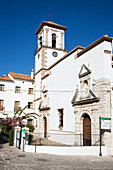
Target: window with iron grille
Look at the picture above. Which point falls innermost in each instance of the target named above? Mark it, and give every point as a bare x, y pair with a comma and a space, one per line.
1, 105
2, 87
30, 105
30, 91
17, 106
17, 89
60, 111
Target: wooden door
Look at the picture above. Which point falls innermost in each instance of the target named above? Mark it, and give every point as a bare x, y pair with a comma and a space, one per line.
86, 130
45, 127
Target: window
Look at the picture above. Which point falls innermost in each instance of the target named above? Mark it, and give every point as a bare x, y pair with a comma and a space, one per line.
29, 121
38, 56
54, 40
60, 111
30, 105
2, 87
17, 106
1, 105
17, 89
40, 41
30, 91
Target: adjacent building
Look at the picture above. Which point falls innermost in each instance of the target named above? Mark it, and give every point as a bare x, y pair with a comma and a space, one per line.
16, 91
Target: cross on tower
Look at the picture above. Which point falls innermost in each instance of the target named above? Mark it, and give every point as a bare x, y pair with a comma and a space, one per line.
50, 15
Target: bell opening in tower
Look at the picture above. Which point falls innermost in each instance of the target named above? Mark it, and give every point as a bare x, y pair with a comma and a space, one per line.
54, 40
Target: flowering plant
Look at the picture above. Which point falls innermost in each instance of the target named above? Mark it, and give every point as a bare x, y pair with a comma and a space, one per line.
10, 123
19, 116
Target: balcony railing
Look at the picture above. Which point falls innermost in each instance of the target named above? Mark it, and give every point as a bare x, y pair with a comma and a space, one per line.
17, 108
49, 44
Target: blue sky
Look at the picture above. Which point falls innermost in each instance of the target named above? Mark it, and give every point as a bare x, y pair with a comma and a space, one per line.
87, 20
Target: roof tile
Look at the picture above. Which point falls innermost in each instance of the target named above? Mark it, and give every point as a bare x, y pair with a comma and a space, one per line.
6, 78
20, 76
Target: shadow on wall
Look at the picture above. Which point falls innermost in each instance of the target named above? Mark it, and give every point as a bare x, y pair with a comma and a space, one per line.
2, 142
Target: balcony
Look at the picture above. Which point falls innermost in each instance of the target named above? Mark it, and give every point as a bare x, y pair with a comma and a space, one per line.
17, 109
49, 44
2, 108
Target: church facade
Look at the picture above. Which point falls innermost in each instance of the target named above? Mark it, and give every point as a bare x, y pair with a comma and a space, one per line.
72, 89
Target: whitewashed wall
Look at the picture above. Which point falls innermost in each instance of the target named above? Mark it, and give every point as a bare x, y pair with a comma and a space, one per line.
9, 96
64, 77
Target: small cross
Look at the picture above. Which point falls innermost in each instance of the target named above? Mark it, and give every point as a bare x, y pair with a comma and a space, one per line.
50, 15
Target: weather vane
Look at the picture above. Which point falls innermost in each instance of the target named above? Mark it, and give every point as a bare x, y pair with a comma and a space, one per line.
50, 15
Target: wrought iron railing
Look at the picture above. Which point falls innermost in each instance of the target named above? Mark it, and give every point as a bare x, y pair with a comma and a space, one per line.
58, 139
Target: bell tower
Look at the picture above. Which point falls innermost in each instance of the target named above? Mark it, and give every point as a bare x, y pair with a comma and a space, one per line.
50, 48
51, 45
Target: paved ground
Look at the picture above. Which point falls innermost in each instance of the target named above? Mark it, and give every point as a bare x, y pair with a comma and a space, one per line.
13, 159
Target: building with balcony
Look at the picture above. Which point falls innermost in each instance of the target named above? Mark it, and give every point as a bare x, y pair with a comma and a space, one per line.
16, 91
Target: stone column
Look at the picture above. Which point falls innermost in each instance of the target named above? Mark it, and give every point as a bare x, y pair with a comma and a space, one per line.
46, 38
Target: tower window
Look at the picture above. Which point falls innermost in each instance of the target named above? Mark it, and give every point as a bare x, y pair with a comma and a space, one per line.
38, 56
54, 40
40, 41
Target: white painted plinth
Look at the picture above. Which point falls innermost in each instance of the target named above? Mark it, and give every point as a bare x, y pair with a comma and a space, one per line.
85, 150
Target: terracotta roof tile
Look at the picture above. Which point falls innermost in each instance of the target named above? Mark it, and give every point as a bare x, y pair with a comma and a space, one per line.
51, 24
21, 76
6, 78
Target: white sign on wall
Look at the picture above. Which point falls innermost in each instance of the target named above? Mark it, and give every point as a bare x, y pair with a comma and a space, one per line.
106, 123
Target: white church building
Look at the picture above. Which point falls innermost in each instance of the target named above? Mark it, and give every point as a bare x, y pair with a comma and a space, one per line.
72, 89
69, 90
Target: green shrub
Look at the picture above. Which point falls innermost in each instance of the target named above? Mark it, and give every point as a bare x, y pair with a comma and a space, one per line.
31, 127
3, 129
11, 137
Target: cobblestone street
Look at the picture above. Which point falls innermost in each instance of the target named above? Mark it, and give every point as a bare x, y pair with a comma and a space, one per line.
13, 159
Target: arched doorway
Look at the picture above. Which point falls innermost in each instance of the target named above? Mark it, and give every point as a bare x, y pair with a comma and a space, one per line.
45, 127
86, 130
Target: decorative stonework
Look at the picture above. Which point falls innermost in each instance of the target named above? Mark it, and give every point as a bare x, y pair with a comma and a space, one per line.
94, 102
44, 103
84, 71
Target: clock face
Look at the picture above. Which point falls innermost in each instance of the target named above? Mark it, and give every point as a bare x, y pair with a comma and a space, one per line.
55, 54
